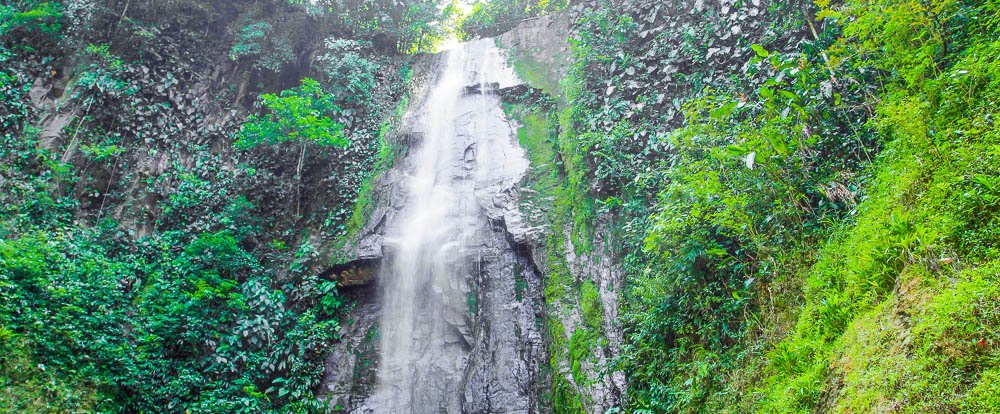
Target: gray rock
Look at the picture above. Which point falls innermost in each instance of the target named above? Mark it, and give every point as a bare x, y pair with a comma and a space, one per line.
479, 347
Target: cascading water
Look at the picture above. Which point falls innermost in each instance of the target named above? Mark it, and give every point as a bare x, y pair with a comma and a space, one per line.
453, 338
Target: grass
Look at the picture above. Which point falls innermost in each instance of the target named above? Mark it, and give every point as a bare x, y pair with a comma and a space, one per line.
895, 311
28, 386
924, 349
900, 312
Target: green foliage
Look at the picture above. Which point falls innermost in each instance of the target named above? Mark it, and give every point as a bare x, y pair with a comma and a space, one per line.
45, 17
424, 25
910, 40
413, 26
759, 176
352, 75
602, 160
199, 329
23, 381
299, 114
175, 304
755, 173
192, 316
760, 173
29, 171
248, 40
917, 223
102, 75
491, 18
266, 47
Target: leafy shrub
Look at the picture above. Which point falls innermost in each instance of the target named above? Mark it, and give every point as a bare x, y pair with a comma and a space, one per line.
269, 50
491, 18
32, 15
301, 114
352, 76
196, 330
248, 41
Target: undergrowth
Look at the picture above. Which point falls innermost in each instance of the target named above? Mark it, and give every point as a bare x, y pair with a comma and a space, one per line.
817, 235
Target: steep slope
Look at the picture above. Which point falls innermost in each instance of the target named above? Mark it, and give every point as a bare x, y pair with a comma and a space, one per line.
459, 302
729, 206
803, 225
166, 195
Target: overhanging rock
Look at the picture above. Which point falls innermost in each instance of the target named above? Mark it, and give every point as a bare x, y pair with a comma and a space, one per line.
359, 272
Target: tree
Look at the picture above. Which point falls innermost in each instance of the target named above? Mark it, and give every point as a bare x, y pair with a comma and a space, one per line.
301, 115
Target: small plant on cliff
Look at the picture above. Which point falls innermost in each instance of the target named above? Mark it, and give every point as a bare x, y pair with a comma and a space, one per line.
352, 75
301, 115
44, 17
266, 48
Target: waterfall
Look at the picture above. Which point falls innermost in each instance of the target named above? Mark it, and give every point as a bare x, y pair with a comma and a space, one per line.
448, 274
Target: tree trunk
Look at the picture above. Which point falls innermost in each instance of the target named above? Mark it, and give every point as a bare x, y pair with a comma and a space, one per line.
298, 182
75, 140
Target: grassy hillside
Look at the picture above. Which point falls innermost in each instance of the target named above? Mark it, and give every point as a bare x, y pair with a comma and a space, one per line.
809, 219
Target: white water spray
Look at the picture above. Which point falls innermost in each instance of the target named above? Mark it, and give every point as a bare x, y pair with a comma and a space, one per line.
464, 164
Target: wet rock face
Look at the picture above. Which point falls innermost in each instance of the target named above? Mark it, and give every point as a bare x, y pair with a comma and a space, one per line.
602, 268
545, 43
458, 302
541, 47
508, 349
350, 366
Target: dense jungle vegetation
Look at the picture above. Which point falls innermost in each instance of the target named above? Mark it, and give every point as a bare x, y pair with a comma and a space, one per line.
163, 203
804, 200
